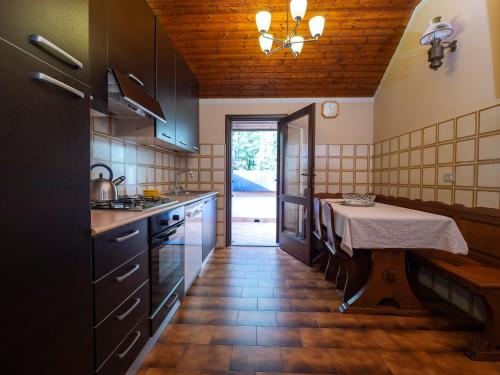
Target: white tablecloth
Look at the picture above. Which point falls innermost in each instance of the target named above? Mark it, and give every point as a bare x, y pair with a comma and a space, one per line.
384, 226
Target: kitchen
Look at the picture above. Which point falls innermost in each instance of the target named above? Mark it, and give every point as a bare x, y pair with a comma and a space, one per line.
117, 229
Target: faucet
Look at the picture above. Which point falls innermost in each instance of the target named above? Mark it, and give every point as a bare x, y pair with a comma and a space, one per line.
177, 186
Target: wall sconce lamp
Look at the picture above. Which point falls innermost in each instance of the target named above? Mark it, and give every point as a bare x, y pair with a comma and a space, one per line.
434, 36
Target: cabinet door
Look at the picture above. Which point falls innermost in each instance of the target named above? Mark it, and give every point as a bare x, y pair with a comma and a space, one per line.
207, 227
194, 137
131, 34
98, 35
183, 107
60, 32
165, 83
46, 262
214, 221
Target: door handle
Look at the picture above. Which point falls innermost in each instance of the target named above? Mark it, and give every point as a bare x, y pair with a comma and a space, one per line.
43, 77
135, 79
119, 279
68, 59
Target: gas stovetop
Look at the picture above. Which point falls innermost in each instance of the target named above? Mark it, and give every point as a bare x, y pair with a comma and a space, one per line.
131, 203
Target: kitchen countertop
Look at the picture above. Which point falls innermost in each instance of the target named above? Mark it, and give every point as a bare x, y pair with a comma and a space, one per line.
105, 220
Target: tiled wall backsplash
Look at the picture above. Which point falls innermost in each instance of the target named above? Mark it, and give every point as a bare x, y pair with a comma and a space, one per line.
414, 165
143, 167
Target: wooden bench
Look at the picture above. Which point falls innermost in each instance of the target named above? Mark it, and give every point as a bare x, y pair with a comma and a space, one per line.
479, 271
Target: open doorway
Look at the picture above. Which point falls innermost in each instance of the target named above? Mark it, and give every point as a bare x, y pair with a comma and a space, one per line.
252, 175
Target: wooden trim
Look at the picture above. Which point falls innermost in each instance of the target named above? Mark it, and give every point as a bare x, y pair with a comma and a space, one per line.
228, 166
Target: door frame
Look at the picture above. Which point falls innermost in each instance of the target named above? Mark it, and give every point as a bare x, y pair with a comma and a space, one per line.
309, 111
228, 166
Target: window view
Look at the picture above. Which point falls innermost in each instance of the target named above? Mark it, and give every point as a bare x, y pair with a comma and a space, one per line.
254, 173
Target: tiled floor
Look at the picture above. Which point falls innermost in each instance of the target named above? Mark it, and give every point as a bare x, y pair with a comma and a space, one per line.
255, 234
260, 311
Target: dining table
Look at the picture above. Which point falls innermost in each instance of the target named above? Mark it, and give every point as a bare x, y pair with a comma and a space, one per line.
388, 232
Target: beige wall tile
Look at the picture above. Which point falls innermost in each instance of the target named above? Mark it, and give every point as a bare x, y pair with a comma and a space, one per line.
131, 153
362, 189
385, 177
429, 176
347, 177
403, 159
445, 196
428, 194
377, 162
320, 177
403, 192
395, 160
415, 157
415, 193
362, 150
416, 138
218, 150
101, 124
415, 176
192, 163
205, 163
385, 162
377, 150
347, 150
489, 119
464, 197
117, 151
361, 177
429, 155
334, 177
101, 148
404, 141
445, 153
205, 150
441, 173
489, 147
489, 199
320, 150
394, 144
347, 163
361, 164
334, 163
466, 125
488, 175
347, 188
466, 150
334, 150
446, 131
403, 177
319, 163
393, 191
386, 146
393, 177
430, 135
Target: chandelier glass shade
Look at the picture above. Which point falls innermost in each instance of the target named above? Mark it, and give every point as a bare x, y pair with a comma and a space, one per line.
297, 9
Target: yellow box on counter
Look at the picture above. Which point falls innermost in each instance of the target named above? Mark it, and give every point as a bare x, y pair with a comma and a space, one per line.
151, 193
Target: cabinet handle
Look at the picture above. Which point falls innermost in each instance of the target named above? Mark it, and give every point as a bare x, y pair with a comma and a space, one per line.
129, 311
171, 301
126, 237
166, 135
119, 279
70, 60
135, 79
43, 77
195, 148
183, 143
137, 335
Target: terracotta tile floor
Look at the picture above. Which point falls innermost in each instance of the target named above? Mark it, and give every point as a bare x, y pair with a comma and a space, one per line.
259, 311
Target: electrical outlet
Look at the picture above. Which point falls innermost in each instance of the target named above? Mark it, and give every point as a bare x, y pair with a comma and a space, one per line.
449, 177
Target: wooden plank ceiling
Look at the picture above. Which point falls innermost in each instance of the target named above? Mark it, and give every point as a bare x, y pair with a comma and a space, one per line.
219, 40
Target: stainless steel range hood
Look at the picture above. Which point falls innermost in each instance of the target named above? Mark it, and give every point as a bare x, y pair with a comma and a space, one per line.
127, 100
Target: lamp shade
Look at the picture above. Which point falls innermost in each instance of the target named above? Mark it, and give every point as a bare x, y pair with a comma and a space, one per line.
266, 43
263, 20
316, 26
297, 42
298, 9
437, 30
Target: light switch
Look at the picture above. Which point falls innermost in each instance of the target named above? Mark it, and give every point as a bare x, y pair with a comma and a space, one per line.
449, 177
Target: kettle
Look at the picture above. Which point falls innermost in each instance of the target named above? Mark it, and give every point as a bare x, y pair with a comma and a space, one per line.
102, 189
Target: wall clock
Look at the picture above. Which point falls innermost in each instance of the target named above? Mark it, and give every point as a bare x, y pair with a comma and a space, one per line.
330, 109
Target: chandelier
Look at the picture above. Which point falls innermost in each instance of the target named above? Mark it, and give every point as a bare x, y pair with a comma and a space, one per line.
292, 41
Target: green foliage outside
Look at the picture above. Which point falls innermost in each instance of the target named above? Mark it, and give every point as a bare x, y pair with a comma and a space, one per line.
254, 150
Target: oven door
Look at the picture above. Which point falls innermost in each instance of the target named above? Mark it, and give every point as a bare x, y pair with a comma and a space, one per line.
167, 271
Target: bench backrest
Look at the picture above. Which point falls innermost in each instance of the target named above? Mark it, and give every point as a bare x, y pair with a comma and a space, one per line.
479, 226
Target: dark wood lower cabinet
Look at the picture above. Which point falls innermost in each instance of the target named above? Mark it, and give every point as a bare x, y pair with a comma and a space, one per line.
46, 309
209, 236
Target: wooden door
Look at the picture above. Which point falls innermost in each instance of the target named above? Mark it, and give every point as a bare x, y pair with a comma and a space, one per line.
46, 257
296, 134
33, 24
131, 41
165, 83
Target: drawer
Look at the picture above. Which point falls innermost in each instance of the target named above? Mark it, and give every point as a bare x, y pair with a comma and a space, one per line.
129, 349
159, 316
116, 287
113, 248
110, 333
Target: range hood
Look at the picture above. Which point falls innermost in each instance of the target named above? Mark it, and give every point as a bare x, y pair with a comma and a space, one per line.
127, 100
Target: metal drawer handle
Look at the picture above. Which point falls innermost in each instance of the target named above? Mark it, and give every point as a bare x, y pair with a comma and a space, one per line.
183, 143
129, 311
137, 335
119, 279
166, 135
196, 148
43, 77
135, 79
127, 237
169, 304
40, 40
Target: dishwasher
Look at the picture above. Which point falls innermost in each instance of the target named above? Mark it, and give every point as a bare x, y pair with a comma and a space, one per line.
193, 243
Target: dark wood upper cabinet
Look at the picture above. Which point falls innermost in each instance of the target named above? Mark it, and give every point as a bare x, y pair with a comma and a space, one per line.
131, 41
46, 262
194, 128
183, 103
165, 83
98, 36
52, 30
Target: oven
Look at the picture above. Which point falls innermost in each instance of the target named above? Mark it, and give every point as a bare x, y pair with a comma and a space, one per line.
167, 248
